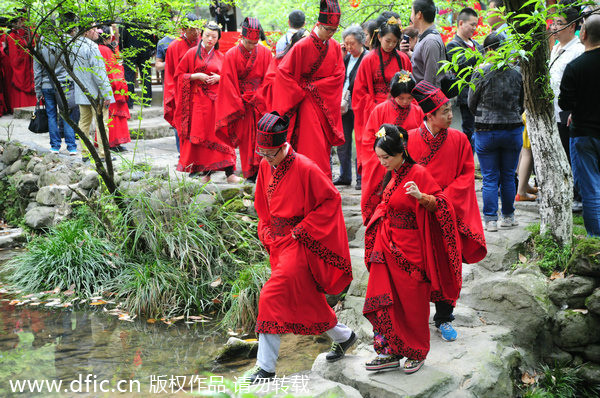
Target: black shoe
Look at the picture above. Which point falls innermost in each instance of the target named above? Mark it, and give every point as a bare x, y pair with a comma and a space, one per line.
85, 159
259, 376
119, 148
338, 350
339, 181
358, 186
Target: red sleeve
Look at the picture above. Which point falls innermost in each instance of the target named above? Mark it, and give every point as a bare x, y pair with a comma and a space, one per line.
115, 74
262, 207
287, 93
21, 63
171, 62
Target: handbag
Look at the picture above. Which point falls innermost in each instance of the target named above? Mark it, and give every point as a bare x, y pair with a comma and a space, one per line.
39, 120
345, 101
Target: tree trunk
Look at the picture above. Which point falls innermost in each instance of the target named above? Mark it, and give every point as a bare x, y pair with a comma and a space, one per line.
551, 165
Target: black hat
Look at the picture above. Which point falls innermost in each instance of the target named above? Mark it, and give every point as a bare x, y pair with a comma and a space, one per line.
271, 131
429, 97
329, 13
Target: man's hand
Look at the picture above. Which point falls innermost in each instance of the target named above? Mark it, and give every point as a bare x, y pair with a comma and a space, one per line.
106, 103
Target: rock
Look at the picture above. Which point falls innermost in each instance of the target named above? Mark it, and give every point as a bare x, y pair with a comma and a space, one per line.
590, 372
204, 200
353, 224
557, 356
2, 166
26, 184
585, 259
574, 329
53, 195
31, 205
520, 302
159, 172
39, 168
89, 181
236, 348
230, 193
592, 353
571, 291
11, 237
51, 158
32, 163
59, 175
11, 154
63, 212
318, 387
15, 167
593, 302
360, 274
40, 217
503, 249
135, 175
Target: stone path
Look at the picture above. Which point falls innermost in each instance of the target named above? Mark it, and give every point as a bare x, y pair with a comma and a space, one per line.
481, 363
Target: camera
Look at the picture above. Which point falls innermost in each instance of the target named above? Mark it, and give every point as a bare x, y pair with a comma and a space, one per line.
405, 38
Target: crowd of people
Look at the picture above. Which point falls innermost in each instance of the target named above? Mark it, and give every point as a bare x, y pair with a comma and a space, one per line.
380, 91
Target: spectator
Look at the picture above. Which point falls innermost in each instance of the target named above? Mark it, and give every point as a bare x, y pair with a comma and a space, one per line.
354, 38
466, 25
579, 90
296, 21
497, 103
568, 48
224, 14
161, 51
413, 37
21, 88
430, 49
496, 19
139, 48
369, 28
89, 68
44, 88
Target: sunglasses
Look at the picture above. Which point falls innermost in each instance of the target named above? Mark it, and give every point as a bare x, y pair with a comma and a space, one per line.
267, 155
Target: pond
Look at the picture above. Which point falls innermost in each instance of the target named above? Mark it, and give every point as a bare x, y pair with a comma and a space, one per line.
84, 348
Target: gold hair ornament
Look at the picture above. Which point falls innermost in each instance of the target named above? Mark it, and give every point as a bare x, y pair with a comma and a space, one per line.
404, 77
381, 133
392, 21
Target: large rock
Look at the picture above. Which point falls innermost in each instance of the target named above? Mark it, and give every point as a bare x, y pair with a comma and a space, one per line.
593, 302
590, 372
27, 184
237, 348
571, 291
586, 258
11, 154
15, 167
519, 301
32, 163
89, 181
317, 387
53, 195
11, 237
575, 329
59, 175
40, 217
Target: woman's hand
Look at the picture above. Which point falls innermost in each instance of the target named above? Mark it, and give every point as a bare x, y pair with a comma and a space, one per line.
413, 190
200, 76
213, 79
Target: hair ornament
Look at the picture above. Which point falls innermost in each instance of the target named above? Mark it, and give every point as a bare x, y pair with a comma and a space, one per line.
381, 133
404, 77
392, 21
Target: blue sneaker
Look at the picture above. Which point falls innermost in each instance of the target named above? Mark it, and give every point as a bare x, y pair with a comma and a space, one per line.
447, 331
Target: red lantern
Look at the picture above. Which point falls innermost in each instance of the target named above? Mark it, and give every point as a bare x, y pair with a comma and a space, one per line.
354, 3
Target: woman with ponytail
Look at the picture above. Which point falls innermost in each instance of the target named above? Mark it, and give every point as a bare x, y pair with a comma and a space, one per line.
372, 84
411, 242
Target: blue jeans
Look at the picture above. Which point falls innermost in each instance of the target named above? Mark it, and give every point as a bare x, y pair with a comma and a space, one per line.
585, 162
53, 123
498, 154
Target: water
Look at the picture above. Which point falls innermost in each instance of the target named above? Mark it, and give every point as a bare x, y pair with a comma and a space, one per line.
67, 345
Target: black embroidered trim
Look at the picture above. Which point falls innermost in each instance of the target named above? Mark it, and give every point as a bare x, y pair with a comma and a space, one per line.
434, 143
466, 231
403, 219
280, 171
212, 145
274, 327
401, 113
195, 168
402, 262
281, 226
377, 302
444, 218
321, 251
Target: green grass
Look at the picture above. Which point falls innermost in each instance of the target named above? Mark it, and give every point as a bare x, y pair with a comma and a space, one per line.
12, 204
561, 381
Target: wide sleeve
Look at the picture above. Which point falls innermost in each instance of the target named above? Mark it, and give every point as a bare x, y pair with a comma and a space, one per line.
171, 62
287, 92
183, 94
21, 62
262, 208
323, 231
230, 105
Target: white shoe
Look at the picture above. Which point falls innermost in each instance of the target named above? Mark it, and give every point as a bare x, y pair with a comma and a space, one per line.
491, 226
507, 222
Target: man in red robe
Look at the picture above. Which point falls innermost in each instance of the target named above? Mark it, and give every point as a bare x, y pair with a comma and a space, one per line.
308, 87
175, 52
446, 153
21, 89
243, 72
302, 227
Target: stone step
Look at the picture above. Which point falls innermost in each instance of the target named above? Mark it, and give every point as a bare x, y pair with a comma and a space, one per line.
149, 128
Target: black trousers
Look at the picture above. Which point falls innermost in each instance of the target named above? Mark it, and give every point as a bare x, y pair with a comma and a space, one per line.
468, 122
565, 136
443, 313
143, 65
344, 152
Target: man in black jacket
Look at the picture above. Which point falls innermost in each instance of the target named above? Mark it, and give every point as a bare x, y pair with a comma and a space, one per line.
354, 40
467, 23
579, 90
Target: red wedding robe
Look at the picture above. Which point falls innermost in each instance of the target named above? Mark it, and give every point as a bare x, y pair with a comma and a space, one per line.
308, 86
175, 52
372, 170
298, 198
371, 89
201, 149
237, 105
21, 90
409, 251
4, 77
449, 159
118, 112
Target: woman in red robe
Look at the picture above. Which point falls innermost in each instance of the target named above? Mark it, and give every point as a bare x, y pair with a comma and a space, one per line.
21, 88
118, 111
372, 83
244, 69
308, 86
411, 244
301, 225
197, 82
401, 110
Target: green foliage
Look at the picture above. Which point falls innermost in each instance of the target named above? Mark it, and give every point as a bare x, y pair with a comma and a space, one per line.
70, 256
12, 205
561, 381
